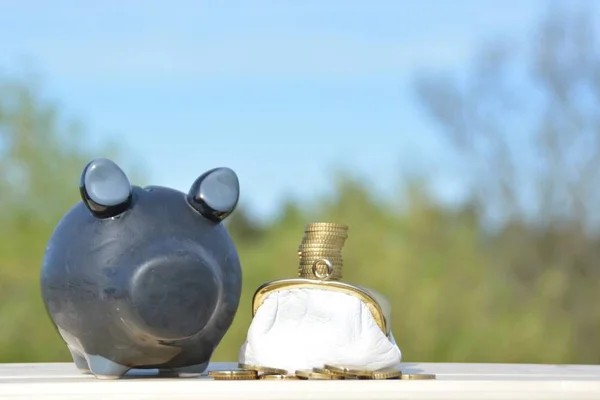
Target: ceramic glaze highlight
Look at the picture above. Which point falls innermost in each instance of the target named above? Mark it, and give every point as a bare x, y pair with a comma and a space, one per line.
143, 277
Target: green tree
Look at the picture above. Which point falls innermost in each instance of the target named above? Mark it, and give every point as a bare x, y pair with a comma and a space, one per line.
41, 159
525, 121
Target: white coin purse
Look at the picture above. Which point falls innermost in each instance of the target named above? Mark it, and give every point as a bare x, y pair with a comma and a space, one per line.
313, 320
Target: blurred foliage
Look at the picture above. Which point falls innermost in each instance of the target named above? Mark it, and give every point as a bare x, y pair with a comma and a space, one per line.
521, 290
41, 159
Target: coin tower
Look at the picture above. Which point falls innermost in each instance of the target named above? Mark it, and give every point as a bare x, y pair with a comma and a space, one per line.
320, 252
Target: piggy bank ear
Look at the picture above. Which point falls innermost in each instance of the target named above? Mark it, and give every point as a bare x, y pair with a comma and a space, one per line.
104, 188
215, 194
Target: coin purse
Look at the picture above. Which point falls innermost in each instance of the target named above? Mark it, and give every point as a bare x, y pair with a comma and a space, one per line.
315, 319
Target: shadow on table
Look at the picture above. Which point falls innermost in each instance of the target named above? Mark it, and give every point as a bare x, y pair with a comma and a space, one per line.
154, 374
410, 368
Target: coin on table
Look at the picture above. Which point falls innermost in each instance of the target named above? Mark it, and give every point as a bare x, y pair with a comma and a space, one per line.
387, 373
278, 377
350, 371
308, 374
238, 375
414, 377
264, 370
326, 371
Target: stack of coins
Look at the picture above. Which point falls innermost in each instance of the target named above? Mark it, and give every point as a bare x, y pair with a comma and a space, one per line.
320, 252
361, 373
268, 373
262, 370
341, 372
234, 375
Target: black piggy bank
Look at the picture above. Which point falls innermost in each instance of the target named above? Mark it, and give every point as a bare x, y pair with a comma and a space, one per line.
143, 277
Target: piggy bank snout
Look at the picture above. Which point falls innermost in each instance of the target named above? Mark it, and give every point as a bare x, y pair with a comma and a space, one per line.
173, 297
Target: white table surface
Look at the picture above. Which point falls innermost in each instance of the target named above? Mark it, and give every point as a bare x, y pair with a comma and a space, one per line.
454, 381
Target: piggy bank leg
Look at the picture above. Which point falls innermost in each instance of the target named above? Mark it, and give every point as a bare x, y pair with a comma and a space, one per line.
103, 368
80, 362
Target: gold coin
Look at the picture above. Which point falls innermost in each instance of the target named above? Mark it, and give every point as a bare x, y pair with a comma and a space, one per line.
349, 371
278, 377
415, 377
319, 271
313, 277
338, 240
325, 225
308, 266
336, 236
325, 371
327, 234
319, 263
308, 263
327, 231
323, 246
309, 260
320, 268
320, 247
330, 250
328, 247
387, 373
234, 375
320, 250
308, 269
307, 374
318, 255
322, 371
321, 223
316, 278
323, 240
340, 233
315, 255
265, 370
334, 240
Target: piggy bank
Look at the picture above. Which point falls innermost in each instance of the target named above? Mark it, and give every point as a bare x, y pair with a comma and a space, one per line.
143, 278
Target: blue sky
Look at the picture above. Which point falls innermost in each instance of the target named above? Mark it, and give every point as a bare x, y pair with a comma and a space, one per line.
281, 91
